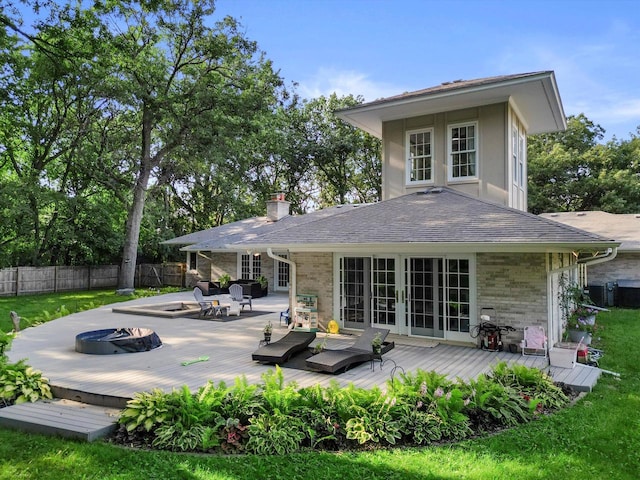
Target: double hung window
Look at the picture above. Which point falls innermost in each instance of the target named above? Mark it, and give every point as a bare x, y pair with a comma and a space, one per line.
420, 156
463, 151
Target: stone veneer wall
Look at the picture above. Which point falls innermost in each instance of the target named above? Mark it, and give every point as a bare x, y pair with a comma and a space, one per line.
516, 286
315, 277
626, 266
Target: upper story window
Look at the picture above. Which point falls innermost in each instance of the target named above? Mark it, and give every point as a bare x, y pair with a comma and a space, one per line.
420, 156
463, 151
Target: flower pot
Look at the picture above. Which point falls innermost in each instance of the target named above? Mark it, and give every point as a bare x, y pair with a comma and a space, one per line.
577, 335
267, 337
377, 349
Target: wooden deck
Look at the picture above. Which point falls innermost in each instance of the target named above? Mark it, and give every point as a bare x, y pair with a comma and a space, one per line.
110, 380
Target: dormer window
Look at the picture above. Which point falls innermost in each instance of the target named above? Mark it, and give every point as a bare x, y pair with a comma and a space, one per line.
463, 151
419, 169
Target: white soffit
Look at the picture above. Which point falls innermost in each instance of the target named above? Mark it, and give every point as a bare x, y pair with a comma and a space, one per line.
535, 96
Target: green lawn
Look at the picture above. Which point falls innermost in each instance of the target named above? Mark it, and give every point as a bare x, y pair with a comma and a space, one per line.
597, 438
33, 309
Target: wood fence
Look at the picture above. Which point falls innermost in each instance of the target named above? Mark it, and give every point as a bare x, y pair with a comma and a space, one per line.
31, 280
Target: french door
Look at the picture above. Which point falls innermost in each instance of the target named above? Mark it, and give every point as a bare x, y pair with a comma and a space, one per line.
418, 296
440, 297
281, 271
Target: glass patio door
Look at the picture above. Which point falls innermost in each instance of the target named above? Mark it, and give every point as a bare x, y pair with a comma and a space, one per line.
385, 290
281, 270
355, 291
424, 292
439, 297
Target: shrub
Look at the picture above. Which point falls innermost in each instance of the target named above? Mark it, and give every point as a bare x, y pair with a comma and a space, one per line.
20, 383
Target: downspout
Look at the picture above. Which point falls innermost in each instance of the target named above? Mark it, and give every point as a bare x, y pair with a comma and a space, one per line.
610, 254
605, 257
292, 273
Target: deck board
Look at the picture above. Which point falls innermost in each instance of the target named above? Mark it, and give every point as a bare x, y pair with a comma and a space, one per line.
116, 378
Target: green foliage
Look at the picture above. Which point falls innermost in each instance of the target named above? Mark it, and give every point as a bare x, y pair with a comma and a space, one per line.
146, 410
570, 171
275, 434
5, 342
277, 396
532, 383
20, 383
493, 405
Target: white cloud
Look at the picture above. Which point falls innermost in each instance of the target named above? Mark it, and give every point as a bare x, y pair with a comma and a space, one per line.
328, 80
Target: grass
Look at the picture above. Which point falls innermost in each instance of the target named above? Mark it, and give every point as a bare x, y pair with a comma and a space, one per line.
34, 309
599, 437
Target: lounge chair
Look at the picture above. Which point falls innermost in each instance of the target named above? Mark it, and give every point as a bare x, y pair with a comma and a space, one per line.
207, 307
534, 342
333, 361
280, 351
236, 292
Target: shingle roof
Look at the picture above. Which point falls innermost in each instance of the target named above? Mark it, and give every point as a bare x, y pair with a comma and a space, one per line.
624, 228
455, 85
218, 238
441, 216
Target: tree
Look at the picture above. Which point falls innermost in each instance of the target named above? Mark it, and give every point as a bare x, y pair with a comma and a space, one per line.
173, 81
570, 171
347, 160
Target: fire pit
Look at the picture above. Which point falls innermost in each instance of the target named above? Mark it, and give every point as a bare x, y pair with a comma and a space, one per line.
117, 340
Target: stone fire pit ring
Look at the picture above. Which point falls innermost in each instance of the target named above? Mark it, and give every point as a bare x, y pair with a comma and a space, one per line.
112, 341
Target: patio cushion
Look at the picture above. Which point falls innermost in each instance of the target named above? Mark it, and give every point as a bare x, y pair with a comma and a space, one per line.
281, 350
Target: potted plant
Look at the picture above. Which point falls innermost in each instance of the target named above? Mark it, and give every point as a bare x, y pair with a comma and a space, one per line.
582, 324
376, 344
268, 328
319, 347
264, 284
224, 281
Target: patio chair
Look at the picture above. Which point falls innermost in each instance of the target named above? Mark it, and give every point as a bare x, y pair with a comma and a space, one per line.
282, 350
534, 342
207, 307
285, 316
236, 292
332, 361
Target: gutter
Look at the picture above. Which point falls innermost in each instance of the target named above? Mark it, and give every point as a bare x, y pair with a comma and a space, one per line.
292, 274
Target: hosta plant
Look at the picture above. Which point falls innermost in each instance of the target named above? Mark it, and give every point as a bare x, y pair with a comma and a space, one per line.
21, 383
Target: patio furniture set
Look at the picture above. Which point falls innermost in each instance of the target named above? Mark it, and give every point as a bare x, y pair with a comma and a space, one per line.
231, 304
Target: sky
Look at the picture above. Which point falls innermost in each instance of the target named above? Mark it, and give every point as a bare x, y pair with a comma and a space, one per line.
381, 48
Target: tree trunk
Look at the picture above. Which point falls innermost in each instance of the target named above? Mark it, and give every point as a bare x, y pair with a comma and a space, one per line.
127, 275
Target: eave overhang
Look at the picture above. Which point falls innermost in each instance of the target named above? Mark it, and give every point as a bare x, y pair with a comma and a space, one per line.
535, 96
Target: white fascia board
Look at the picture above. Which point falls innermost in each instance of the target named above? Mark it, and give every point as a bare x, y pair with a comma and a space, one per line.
439, 247
370, 117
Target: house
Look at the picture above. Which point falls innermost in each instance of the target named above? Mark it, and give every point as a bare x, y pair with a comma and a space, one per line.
451, 235
603, 279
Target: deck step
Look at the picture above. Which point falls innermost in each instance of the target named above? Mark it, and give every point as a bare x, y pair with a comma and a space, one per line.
581, 378
61, 417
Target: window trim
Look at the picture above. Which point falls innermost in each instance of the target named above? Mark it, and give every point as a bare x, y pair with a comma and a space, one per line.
407, 159
476, 150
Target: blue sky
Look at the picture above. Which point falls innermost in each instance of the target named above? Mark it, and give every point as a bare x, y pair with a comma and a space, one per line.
379, 48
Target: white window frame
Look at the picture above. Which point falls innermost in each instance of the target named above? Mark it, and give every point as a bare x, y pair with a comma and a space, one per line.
475, 150
409, 159
249, 266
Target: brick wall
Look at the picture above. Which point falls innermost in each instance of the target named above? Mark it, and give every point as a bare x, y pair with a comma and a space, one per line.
626, 266
516, 286
315, 277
